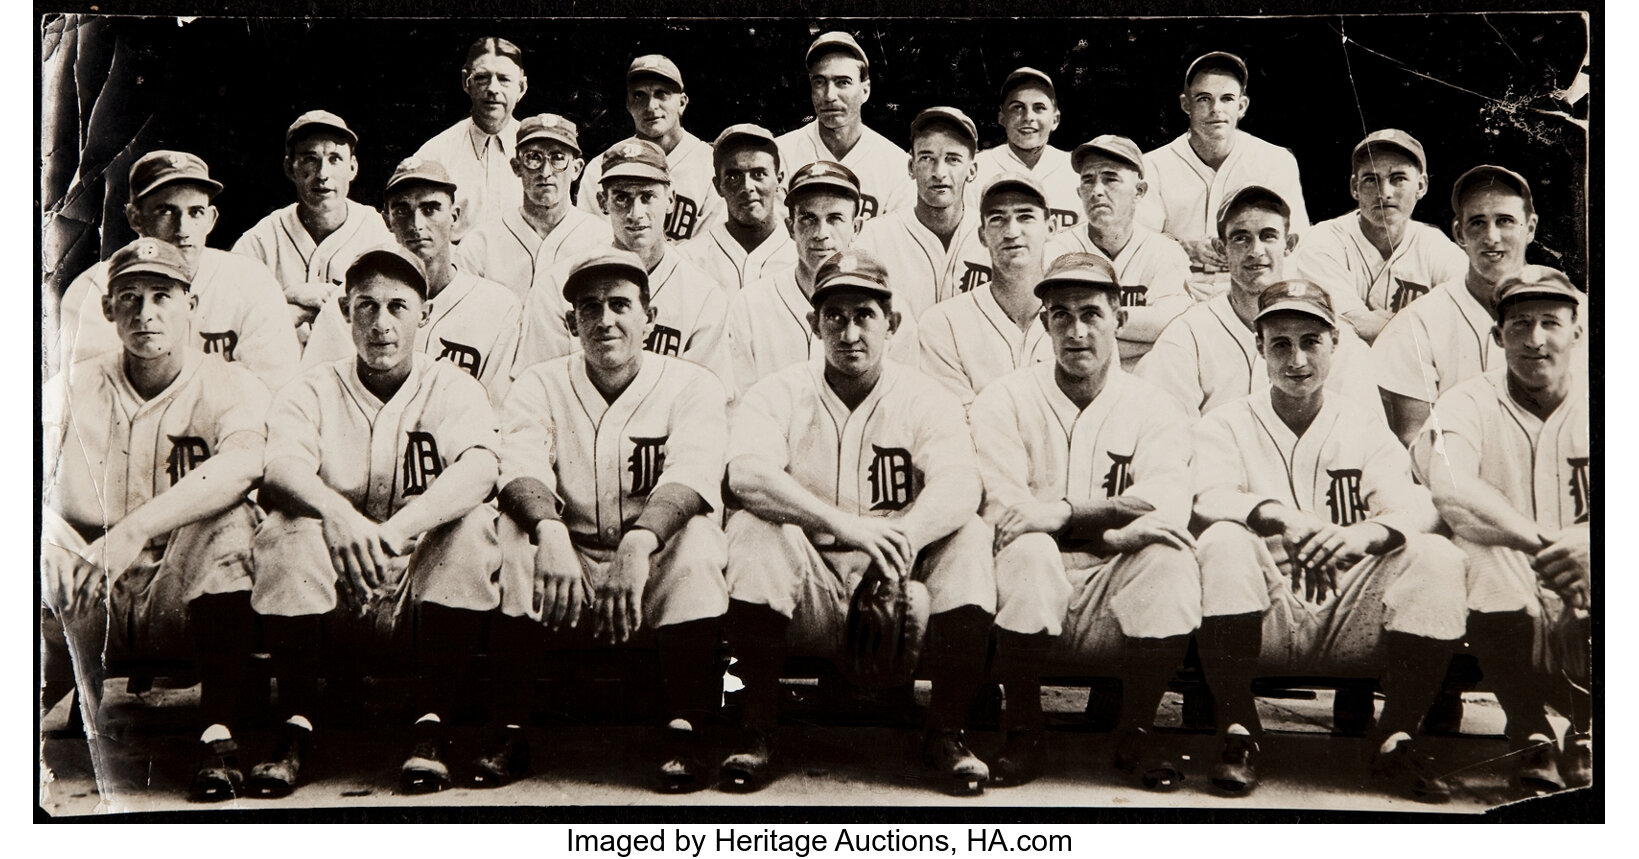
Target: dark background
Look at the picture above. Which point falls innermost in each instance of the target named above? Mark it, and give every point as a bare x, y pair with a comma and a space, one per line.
1474, 88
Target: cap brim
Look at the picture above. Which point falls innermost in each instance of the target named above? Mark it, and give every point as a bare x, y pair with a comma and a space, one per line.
1302, 307
656, 74
1011, 185
159, 269
1389, 144
1541, 293
635, 171
1067, 282
553, 136
846, 281
637, 274
352, 139
1087, 150
826, 183
418, 180
177, 179
1018, 79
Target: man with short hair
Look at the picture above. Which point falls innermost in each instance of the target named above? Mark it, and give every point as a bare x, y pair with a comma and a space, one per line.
471, 322
1507, 456
241, 314
1376, 260
1209, 355
145, 545
1299, 487
932, 249
547, 227
848, 469
1153, 268
612, 471
1190, 176
1029, 115
767, 320
1086, 474
749, 244
308, 244
839, 84
656, 101
478, 150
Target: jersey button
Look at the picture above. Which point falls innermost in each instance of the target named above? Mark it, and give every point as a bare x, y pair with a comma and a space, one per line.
609, 533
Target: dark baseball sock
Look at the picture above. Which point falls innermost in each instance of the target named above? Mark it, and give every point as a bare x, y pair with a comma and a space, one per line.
516, 647
756, 637
224, 631
297, 645
1020, 658
1577, 688
1229, 646
1415, 669
446, 640
955, 663
1147, 666
691, 687
1501, 641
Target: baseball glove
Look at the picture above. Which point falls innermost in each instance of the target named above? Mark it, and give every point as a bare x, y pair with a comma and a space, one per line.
882, 637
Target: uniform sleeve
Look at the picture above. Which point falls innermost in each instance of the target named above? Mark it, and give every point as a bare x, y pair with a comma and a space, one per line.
1290, 188
528, 437
742, 361
1152, 210
1405, 362
1457, 415
1358, 366
1004, 463
712, 212
1166, 296
1218, 472
77, 301
1321, 258
698, 439
331, 340
587, 196
267, 341
467, 419
1173, 364
1396, 501
471, 252
543, 335
54, 418
293, 422
248, 409
1448, 262
951, 489
760, 426
1161, 462
707, 345
497, 375
938, 355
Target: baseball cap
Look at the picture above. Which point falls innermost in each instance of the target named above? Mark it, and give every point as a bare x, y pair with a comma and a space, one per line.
1113, 145
824, 174
548, 126
748, 132
949, 116
655, 66
1246, 196
1296, 296
150, 256
166, 167
1217, 60
1490, 174
1536, 281
634, 158
323, 119
1025, 75
419, 171
851, 269
389, 259
1079, 269
1012, 182
610, 259
1392, 138
836, 40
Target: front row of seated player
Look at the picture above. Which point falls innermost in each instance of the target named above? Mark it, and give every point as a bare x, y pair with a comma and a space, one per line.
375, 473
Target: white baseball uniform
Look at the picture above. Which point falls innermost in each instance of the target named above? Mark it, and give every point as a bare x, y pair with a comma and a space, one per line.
969, 341
1154, 274
690, 312
509, 251
379, 456
768, 331
1052, 171
288, 250
602, 460
921, 268
1185, 193
1131, 441
1346, 468
473, 324
697, 206
1339, 257
480, 165
1208, 356
241, 316
883, 168
726, 261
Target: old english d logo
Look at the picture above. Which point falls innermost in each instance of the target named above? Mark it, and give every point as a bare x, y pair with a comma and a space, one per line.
187, 452
1063, 219
890, 477
664, 340
1405, 292
421, 462
465, 357
1343, 496
1135, 295
975, 277
1119, 477
220, 343
867, 206
682, 219
648, 459
1580, 488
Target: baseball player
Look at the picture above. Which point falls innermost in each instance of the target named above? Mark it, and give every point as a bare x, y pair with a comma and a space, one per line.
1506, 455
850, 468
547, 227
1029, 115
145, 547
613, 467
1190, 177
974, 338
380, 463
471, 322
689, 308
1376, 259
839, 84
478, 150
1153, 268
932, 250
1086, 476
1317, 557
1209, 354
749, 244
656, 101
241, 314
308, 244
1443, 339
768, 320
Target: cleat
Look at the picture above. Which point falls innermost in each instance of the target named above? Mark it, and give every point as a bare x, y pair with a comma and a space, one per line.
1539, 766
1407, 771
1576, 760
276, 776
682, 771
424, 771
1021, 759
746, 770
947, 752
218, 778
1136, 754
1236, 772
505, 761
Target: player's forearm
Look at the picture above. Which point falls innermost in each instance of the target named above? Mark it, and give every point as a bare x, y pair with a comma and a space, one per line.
942, 506
772, 494
1089, 519
1144, 324
1477, 512
1227, 504
295, 483
1406, 415
1368, 323
208, 489
466, 484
